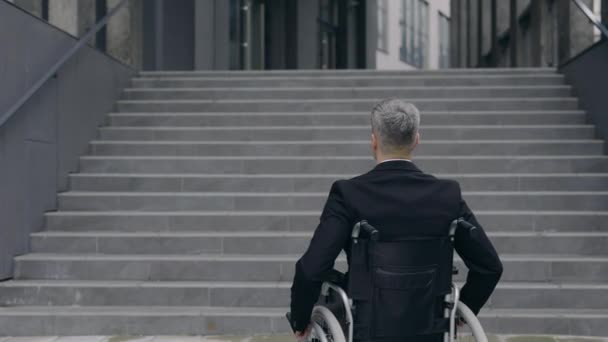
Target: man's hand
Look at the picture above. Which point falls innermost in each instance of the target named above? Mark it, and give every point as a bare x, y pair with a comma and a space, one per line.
460, 321
302, 335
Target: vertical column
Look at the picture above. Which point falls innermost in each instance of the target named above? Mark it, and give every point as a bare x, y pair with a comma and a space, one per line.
455, 33
221, 30
463, 33
212, 34
72, 16
342, 36
124, 33
306, 13
537, 19
473, 37
469, 24
480, 33
563, 35
513, 15
159, 35
494, 34
203, 34
369, 27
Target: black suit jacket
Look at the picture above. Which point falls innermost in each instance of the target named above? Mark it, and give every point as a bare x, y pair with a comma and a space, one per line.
396, 198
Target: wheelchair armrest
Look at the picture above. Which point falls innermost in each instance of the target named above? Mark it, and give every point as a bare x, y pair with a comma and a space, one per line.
335, 277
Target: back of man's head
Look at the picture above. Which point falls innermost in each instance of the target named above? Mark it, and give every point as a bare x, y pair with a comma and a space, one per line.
395, 125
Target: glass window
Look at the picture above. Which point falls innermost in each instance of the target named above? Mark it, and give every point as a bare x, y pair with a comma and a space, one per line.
383, 25
414, 32
444, 41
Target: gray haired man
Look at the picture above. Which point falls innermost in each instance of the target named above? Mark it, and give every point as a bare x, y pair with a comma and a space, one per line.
400, 201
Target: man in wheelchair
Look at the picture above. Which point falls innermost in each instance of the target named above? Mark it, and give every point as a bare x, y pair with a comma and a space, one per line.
398, 227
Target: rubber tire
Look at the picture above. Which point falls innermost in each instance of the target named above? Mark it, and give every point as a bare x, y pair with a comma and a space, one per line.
322, 314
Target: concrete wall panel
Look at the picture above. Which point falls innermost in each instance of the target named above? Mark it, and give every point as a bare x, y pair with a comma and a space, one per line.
587, 73
41, 143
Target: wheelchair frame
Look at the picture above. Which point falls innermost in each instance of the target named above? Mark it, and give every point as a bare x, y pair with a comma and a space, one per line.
454, 308
451, 311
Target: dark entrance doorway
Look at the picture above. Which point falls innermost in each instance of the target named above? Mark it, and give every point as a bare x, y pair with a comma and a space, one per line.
341, 41
294, 34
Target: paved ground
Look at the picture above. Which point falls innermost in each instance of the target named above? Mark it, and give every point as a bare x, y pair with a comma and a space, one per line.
273, 338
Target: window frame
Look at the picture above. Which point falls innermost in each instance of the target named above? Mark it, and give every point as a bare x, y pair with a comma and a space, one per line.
444, 40
382, 44
414, 24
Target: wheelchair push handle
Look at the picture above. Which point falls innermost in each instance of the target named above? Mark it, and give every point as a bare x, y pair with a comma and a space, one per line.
370, 230
465, 224
367, 229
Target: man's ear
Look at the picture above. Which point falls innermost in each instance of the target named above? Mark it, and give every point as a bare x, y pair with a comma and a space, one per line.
416, 142
374, 146
374, 142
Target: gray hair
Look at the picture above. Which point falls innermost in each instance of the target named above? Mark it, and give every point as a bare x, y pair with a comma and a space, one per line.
395, 124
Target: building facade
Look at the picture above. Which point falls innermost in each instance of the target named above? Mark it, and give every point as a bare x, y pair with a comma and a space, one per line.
262, 34
224, 34
413, 34
521, 33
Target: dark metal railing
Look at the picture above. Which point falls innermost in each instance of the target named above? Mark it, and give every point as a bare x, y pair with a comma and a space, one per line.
53, 70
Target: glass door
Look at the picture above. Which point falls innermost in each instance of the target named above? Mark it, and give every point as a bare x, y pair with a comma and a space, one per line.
247, 31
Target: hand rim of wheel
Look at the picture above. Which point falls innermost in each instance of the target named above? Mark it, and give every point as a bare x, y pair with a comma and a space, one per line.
326, 323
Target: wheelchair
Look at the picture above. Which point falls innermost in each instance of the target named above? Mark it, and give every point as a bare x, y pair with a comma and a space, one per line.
430, 301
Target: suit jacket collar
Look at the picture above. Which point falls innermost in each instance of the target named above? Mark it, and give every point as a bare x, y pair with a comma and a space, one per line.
402, 165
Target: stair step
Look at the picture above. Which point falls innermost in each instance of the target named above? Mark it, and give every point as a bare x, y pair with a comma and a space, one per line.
158, 221
339, 164
343, 148
349, 72
308, 93
322, 182
260, 294
290, 201
252, 119
582, 322
351, 81
311, 133
348, 105
242, 267
134, 321
247, 242
172, 320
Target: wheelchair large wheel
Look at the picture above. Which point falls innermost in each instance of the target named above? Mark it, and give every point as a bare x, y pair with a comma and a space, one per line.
326, 327
476, 330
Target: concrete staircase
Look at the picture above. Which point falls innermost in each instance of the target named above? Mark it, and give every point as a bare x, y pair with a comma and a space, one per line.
203, 189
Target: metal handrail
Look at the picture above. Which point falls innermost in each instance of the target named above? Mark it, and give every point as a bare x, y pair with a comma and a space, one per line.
592, 17
53, 70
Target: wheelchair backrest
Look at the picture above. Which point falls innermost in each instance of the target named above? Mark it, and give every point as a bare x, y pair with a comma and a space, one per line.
398, 286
